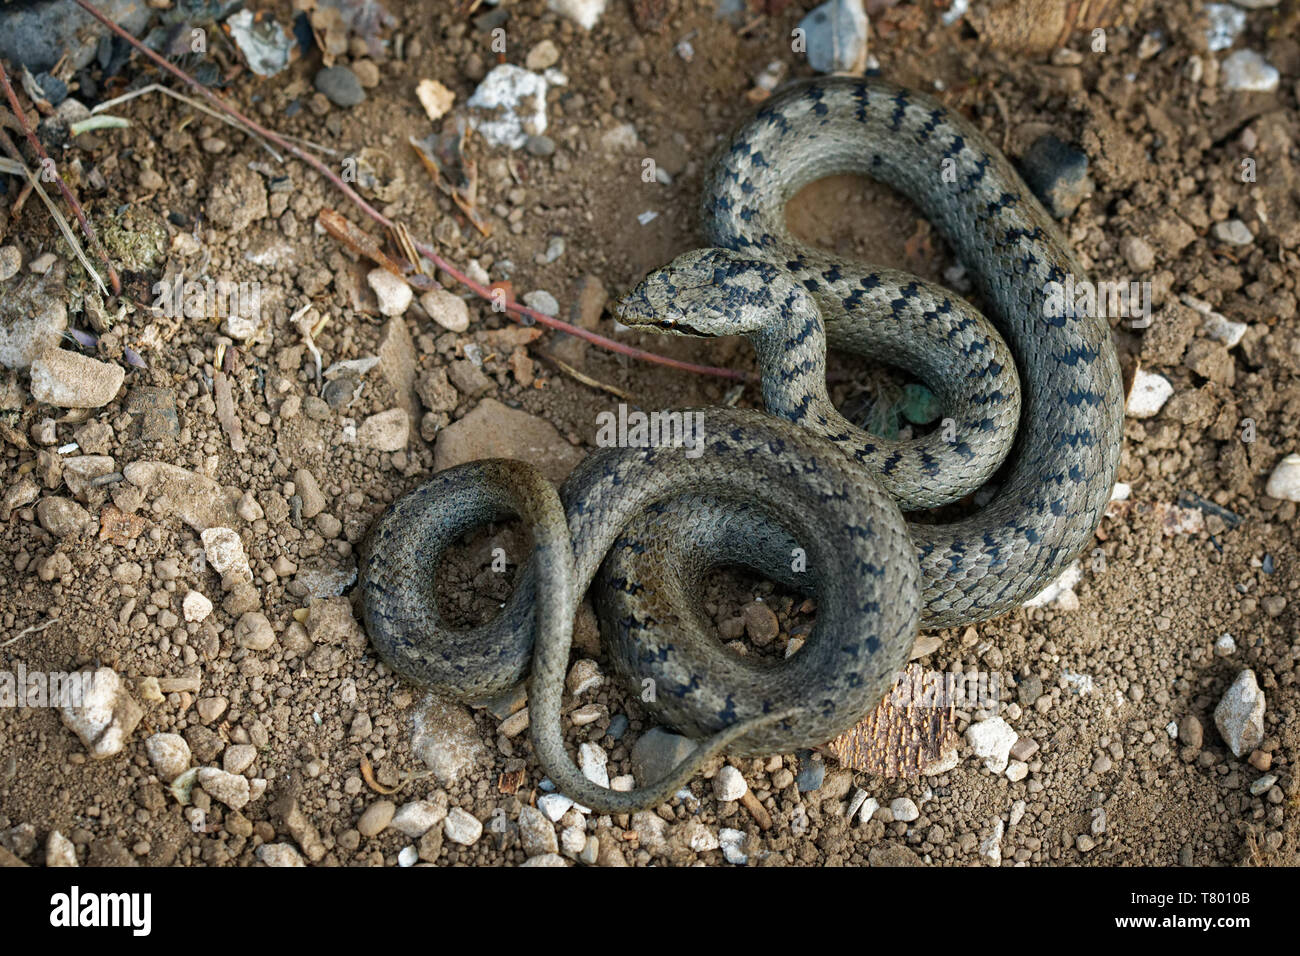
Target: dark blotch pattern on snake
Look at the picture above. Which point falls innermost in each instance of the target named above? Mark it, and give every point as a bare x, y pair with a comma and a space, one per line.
800, 477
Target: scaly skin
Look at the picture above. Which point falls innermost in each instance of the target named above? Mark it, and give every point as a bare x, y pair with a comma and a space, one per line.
766, 485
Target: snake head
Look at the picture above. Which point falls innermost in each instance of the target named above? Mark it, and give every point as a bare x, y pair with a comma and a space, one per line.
709, 292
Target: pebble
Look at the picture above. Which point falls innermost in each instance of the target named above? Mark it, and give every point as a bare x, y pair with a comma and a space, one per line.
585, 13
462, 827
1247, 71
108, 716
904, 810
539, 146
385, 431
238, 757
760, 623
594, 764
992, 740
1284, 483
308, 490
1138, 253
732, 843
1234, 232
1263, 784
59, 850
447, 309
1224, 23
493, 430
62, 517
729, 784
1017, 770
254, 632
509, 106
1149, 394
584, 676
573, 840
836, 36
70, 380
536, 832
554, 805
418, 817
280, 854
1190, 731
811, 773
229, 788
446, 738
542, 301
1225, 646
435, 98
376, 818
991, 848
1240, 714
11, 260
224, 550
546, 859
169, 754
656, 752
543, 55
618, 725
394, 295
407, 856
340, 85
1057, 173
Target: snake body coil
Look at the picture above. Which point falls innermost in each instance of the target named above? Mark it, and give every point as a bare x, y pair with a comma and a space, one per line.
767, 488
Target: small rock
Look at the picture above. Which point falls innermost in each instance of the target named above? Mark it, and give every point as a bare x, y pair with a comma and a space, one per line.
1240, 714
230, 788
447, 309
279, 854
657, 752
492, 430
760, 623
554, 805
536, 832
1284, 483
446, 739
992, 740
340, 85
543, 55
70, 380
385, 431
407, 856
836, 37
1247, 71
991, 848
812, 773
1263, 784
546, 859
416, 818
584, 676
729, 784
224, 550
594, 764
254, 632
169, 754
509, 106
462, 827
62, 517
1137, 253
1149, 394
107, 713
238, 758
376, 818
59, 850
904, 810
11, 260
435, 98
585, 13
732, 843
394, 295
1233, 232
1058, 174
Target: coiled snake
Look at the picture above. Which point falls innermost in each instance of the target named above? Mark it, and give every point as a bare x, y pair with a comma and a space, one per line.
801, 477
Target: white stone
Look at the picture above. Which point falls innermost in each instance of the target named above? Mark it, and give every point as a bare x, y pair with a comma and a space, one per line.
106, 714
225, 552
572, 840
1017, 770
418, 817
195, 607
71, 380
462, 827
1240, 714
729, 784
594, 764
59, 850
991, 849
1246, 70
407, 856
280, 854
509, 106
385, 431
169, 754
447, 309
393, 293
585, 13
231, 789
836, 36
435, 98
1284, 483
554, 805
1225, 646
868, 809
238, 757
1055, 593
1225, 21
992, 740
1149, 394
1018, 811
731, 842
904, 810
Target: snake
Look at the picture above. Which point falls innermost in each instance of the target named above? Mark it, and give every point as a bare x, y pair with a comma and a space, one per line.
795, 493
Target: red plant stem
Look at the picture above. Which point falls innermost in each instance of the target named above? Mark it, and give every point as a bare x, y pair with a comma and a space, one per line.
514, 308
75, 206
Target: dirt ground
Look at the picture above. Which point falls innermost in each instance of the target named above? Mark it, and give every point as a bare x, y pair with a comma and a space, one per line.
1092, 691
